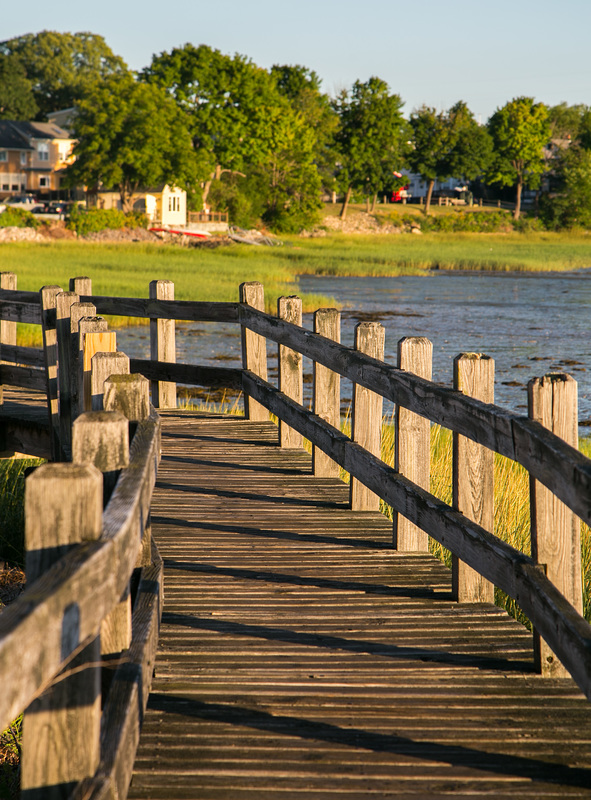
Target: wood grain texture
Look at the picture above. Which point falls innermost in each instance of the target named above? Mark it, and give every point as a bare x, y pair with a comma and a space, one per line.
163, 345
327, 390
103, 365
48, 302
473, 474
254, 347
290, 369
301, 656
8, 283
366, 415
413, 441
93, 337
555, 530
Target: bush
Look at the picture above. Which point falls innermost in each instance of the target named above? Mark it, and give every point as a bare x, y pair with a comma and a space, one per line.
469, 222
18, 218
85, 221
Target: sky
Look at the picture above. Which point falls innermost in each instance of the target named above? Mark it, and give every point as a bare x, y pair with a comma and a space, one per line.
432, 52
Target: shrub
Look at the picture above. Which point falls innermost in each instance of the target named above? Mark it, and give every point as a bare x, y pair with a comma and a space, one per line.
18, 218
85, 221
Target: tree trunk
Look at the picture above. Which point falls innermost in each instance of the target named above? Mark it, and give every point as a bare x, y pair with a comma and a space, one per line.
428, 198
373, 202
367, 204
126, 196
345, 206
207, 185
518, 199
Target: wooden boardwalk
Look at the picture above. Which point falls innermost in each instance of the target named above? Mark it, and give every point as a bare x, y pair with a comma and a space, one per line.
301, 656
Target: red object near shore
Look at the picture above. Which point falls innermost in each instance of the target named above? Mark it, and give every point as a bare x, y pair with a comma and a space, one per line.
199, 235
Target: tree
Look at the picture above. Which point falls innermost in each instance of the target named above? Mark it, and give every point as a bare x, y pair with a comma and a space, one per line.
519, 130
130, 135
568, 205
371, 140
62, 66
16, 92
243, 128
447, 144
301, 86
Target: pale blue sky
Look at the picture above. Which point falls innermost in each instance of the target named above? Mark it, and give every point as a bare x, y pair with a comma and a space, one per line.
430, 51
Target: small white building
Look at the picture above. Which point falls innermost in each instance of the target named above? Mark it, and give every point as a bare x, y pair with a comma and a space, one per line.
164, 206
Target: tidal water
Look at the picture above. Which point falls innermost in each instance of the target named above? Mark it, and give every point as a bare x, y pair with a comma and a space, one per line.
530, 323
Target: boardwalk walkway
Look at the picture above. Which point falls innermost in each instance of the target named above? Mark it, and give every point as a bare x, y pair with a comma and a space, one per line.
301, 656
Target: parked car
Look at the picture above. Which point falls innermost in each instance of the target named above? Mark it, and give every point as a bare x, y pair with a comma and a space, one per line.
26, 201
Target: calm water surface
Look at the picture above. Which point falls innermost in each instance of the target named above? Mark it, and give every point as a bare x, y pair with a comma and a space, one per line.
530, 323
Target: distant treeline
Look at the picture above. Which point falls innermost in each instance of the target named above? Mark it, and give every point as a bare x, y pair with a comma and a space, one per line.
268, 144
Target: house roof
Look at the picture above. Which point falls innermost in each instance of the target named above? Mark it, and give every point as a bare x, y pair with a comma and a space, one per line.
16, 135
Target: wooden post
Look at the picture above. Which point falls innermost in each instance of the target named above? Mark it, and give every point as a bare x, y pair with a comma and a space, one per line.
473, 476
61, 728
327, 390
101, 438
555, 529
103, 366
64, 301
413, 442
93, 337
367, 413
82, 286
290, 366
7, 329
78, 311
162, 345
48, 301
254, 349
130, 395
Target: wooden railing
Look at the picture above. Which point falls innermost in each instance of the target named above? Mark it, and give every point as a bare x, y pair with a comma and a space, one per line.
546, 585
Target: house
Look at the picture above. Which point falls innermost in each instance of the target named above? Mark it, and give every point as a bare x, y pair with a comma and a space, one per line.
165, 205
33, 156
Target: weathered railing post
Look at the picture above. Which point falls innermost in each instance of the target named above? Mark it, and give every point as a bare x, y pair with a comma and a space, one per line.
367, 413
254, 349
290, 369
103, 366
48, 299
555, 529
7, 328
93, 337
413, 442
82, 286
61, 728
327, 390
162, 345
130, 395
101, 438
65, 300
473, 475
78, 311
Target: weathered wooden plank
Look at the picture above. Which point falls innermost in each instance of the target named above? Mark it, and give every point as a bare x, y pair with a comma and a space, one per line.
290, 369
558, 622
518, 438
191, 374
26, 377
327, 390
163, 345
412, 453
188, 310
103, 365
254, 347
25, 356
31, 628
366, 416
48, 302
473, 474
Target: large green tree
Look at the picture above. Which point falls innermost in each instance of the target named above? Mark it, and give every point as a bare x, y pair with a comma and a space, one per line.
447, 144
16, 92
62, 67
372, 138
519, 130
245, 130
130, 135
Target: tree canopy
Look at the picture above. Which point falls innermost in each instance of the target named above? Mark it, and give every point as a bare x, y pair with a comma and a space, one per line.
130, 135
62, 67
372, 138
16, 92
519, 130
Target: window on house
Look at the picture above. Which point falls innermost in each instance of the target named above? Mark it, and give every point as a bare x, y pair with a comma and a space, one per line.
44, 183
3, 155
23, 157
14, 187
5, 187
43, 151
